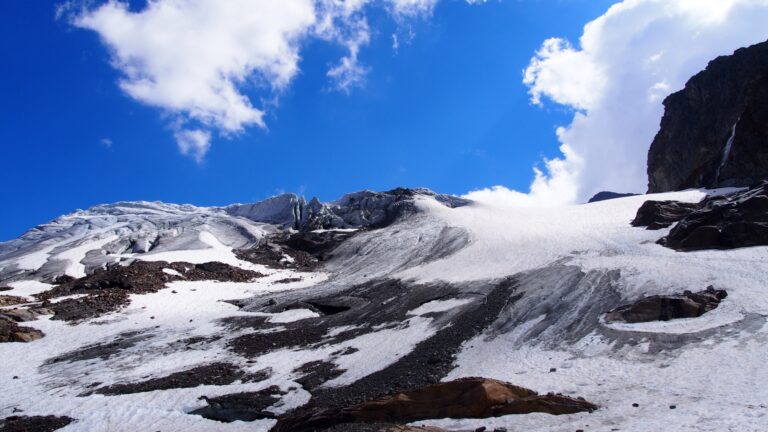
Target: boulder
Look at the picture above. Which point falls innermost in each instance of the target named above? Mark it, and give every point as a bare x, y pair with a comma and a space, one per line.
668, 307
462, 398
10, 331
714, 132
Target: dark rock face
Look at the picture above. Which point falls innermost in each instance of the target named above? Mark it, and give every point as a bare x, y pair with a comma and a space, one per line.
355, 210
715, 131
33, 423
656, 215
462, 398
605, 196
665, 308
724, 222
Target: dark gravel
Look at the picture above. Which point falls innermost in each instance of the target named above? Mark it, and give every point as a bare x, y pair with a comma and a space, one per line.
212, 374
33, 423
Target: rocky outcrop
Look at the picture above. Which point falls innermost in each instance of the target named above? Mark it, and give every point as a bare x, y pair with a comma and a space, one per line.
669, 307
605, 196
715, 131
724, 222
462, 398
354, 210
12, 332
656, 215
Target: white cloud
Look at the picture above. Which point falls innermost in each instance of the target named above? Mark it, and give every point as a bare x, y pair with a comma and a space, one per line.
189, 57
413, 7
194, 58
627, 61
194, 143
106, 142
343, 22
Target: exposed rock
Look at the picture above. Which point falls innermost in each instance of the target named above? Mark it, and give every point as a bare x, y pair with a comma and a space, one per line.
5, 288
108, 289
288, 280
462, 398
24, 314
241, 406
33, 423
211, 374
315, 373
656, 215
715, 131
724, 222
58, 280
668, 307
12, 332
7, 300
605, 196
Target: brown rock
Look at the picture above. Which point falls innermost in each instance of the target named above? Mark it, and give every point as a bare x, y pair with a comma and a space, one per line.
462, 398
12, 332
8, 300
24, 314
665, 308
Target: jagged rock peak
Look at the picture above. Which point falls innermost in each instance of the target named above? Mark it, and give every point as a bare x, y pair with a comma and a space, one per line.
357, 209
714, 132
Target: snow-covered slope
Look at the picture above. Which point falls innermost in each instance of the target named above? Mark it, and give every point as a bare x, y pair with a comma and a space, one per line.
441, 292
84, 240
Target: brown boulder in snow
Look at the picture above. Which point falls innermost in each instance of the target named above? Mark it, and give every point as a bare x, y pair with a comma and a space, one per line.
668, 307
462, 398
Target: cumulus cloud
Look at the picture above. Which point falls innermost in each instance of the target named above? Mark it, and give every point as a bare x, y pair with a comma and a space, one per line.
189, 57
626, 62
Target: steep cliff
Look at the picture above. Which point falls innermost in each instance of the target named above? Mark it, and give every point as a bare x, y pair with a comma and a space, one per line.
715, 131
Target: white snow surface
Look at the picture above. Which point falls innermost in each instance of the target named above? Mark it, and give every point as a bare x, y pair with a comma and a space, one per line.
716, 377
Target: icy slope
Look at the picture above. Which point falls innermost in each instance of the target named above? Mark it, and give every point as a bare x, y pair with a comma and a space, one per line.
84, 240
442, 292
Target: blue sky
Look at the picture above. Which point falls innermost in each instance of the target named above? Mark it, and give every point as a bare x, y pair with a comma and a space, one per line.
447, 110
